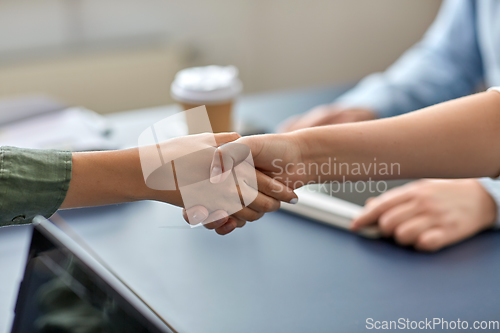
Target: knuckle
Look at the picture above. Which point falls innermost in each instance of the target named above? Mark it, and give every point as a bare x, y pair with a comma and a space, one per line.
270, 205
424, 202
253, 216
267, 206
268, 186
209, 226
448, 220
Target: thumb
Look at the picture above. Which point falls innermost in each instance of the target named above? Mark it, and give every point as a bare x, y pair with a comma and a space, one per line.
222, 138
225, 158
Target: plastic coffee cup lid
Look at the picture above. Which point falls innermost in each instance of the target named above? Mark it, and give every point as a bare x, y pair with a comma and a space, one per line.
208, 84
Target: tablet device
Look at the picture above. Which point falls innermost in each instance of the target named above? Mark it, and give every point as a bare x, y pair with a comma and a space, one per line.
67, 289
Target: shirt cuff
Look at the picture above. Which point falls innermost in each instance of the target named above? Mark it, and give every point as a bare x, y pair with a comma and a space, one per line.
494, 88
493, 188
32, 182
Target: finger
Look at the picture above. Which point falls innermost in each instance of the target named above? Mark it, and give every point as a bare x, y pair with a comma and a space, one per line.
195, 215
320, 116
239, 222
440, 237
230, 225
288, 124
275, 189
379, 205
225, 158
223, 138
393, 217
264, 184
347, 117
308, 120
248, 214
217, 218
367, 202
326, 119
264, 204
408, 232
433, 240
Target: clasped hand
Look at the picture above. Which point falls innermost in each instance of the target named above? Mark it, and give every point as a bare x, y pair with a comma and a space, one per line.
215, 180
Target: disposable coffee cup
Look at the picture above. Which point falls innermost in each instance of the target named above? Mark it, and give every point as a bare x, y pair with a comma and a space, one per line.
216, 87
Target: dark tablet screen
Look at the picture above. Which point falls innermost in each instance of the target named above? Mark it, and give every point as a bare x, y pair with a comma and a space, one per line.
60, 293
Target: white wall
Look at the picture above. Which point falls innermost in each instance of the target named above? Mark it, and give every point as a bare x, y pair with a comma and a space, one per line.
292, 43
277, 44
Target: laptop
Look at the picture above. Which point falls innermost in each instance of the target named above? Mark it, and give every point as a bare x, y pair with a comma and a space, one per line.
337, 204
66, 288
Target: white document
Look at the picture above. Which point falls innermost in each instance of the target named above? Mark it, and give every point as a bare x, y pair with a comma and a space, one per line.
16, 109
75, 129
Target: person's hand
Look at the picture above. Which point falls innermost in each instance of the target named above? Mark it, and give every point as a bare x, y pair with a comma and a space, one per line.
431, 214
323, 115
270, 154
270, 194
260, 197
279, 156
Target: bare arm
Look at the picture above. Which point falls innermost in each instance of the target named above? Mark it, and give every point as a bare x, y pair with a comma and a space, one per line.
456, 139
101, 178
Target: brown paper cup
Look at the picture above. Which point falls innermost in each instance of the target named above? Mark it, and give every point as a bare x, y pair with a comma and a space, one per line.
220, 116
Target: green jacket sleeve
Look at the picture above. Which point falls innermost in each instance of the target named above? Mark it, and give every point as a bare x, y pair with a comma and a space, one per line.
32, 182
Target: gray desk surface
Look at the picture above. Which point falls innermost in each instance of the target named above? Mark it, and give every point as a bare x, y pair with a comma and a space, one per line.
280, 274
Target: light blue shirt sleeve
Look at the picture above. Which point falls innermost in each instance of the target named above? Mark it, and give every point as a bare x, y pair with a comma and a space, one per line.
444, 65
493, 188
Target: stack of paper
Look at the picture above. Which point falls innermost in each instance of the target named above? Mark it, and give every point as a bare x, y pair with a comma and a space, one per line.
75, 129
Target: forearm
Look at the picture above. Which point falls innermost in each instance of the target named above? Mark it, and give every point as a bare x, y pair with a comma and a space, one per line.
101, 178
456, 139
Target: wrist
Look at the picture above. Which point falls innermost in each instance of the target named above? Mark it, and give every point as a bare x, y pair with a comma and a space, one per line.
311, 145
304, 141
137, 189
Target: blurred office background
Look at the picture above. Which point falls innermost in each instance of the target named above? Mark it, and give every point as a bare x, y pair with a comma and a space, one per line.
113, 55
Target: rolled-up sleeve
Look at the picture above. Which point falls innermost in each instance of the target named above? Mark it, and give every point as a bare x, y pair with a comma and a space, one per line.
445, 65
32, 182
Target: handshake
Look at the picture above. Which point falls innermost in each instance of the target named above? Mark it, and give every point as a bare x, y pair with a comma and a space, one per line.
215, 175
224, 180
